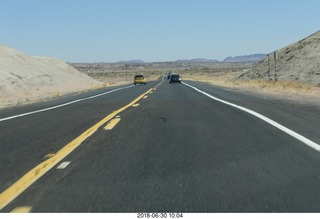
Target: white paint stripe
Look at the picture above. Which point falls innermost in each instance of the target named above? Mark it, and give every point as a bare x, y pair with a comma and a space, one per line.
264, 118
65, 104
63, 165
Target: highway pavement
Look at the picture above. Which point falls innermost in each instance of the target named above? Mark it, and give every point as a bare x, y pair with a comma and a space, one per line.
173, 149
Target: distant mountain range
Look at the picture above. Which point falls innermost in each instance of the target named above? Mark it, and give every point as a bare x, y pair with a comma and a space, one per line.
244, 58
131, 61
196, 60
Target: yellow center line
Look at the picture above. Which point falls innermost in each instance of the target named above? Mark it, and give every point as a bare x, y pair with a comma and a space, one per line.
23, 209
49, 155
33, 175
135, 105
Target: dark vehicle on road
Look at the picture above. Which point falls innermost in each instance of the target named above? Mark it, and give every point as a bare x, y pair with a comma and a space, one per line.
175, 78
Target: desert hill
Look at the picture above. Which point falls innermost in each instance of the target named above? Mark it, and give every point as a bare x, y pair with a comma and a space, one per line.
25, 79
299, 62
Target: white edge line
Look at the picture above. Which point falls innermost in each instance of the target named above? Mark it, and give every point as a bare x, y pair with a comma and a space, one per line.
64, 104
264, 118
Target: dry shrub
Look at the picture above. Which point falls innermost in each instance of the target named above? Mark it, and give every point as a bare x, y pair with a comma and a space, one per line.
227, 79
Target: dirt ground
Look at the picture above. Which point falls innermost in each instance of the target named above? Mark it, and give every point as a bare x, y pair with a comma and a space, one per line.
218, 74
299, 93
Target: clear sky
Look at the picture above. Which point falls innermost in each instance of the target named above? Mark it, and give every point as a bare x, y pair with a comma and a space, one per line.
154, 30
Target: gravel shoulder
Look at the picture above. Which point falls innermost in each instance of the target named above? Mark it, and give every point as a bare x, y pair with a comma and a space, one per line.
298, 93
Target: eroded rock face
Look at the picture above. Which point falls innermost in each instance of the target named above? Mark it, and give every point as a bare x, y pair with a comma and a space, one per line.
298, 62
24, 78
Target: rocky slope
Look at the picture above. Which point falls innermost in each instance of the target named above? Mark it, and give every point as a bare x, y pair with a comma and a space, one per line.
299, 62
25, 79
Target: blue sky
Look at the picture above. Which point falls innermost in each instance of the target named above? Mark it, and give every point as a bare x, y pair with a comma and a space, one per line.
154, 30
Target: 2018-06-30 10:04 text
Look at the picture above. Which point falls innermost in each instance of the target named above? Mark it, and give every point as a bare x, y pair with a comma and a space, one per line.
159, 215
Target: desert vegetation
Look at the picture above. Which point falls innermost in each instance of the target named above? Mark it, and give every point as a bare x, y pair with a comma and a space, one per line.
223, 74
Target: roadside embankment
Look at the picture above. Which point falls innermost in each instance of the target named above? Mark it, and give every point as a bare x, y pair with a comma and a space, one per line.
25, 79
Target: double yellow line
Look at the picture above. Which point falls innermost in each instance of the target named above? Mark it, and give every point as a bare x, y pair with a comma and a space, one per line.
33, 175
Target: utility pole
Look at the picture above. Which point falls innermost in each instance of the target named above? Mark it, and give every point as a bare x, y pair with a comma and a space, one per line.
275, 54
126, 72
269, 66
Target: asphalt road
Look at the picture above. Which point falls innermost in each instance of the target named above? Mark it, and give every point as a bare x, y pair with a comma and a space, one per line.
177, 151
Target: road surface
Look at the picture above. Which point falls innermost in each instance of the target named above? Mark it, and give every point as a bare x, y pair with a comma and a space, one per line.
173, 149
